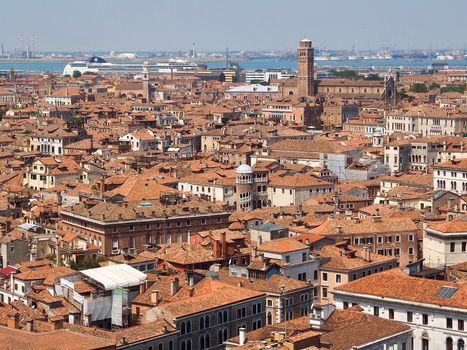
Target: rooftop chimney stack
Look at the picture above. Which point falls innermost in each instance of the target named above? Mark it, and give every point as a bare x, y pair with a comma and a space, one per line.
155, 296
241, 335
174, 286
13, 320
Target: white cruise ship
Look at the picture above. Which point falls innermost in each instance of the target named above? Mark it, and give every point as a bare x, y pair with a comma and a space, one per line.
99, 65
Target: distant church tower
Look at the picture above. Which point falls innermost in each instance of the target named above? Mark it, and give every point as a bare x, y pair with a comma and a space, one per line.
146, 87
306, 58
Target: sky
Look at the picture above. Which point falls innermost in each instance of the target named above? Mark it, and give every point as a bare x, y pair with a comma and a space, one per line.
172, 25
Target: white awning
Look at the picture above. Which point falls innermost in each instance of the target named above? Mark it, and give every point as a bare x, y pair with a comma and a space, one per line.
116, 276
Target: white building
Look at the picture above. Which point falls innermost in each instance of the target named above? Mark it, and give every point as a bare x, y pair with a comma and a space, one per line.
436, 310
445, 244
142, 140
266, 75
293, 189
214, 189
451, 176
427, 120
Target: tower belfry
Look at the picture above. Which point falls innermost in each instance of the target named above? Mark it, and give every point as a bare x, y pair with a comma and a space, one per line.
146, 87
306, 58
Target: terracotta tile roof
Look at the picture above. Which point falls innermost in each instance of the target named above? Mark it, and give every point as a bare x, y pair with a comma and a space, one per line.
366, 226
458, 225
273, 284
282, 245
13, 339
396, 284
455, 164
350, 258
296, 180
345, 329
207, 294
185, 254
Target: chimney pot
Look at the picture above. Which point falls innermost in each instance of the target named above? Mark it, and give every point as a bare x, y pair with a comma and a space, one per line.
155, 297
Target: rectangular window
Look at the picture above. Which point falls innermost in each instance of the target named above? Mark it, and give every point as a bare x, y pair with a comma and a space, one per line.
325, 276
346, 305
453, 247
338, 278
409, 316
448, 322
460, 325
376, 311
425, 319
391, 314
325, 293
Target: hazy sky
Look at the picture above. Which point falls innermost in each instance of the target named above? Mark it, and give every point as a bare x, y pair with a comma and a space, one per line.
157, 25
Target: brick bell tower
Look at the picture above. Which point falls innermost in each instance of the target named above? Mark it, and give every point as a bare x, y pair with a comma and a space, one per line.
306, 62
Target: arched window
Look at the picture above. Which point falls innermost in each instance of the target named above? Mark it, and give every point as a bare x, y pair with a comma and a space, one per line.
220, 340
449, 343
425, 341
225, 316
460, 344
201, 322
206, 322
183, 345
182, 328
269, 302
207, 341
269, 318
201, 342
188, 344
219, 317
225, 334
188, 326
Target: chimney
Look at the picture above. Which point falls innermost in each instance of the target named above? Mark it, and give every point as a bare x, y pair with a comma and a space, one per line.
13, 320
339, 229
164, 329
239, 284
367, 253
190, 291
142, 287
300, 210
281, 212
377, 217
223, 245
174, 286
57, 323
30, 325
241, 336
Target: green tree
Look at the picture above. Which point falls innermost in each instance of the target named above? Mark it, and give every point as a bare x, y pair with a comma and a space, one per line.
418, 88
87, 262
76, 74
454, 88
434, 86
374, 77
347, 74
